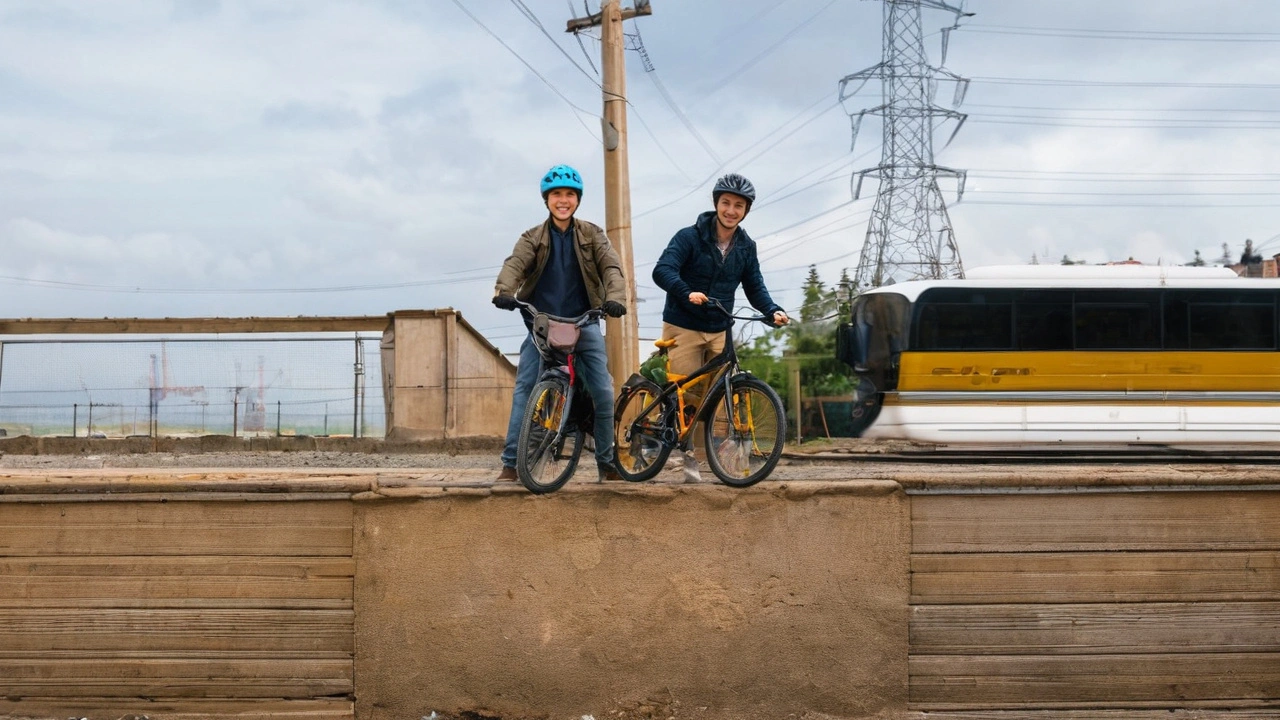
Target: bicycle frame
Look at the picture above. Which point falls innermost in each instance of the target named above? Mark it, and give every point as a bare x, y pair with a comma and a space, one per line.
552, 364
725, 363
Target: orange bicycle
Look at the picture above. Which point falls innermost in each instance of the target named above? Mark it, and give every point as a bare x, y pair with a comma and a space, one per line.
745, 425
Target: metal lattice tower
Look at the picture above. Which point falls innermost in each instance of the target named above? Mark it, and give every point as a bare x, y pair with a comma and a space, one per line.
909, 235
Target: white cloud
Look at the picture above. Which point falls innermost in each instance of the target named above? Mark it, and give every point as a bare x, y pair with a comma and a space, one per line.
327, 143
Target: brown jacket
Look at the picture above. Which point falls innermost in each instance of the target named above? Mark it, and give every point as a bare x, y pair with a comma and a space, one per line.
600, 266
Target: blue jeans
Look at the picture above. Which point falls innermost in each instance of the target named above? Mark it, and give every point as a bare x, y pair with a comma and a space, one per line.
592, 362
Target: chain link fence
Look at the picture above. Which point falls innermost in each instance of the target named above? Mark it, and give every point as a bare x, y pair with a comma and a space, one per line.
254, 386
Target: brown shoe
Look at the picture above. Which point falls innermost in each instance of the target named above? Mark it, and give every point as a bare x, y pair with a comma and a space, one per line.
507, 474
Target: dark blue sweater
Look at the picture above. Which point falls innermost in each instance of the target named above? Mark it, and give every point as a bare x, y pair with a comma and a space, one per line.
561, 290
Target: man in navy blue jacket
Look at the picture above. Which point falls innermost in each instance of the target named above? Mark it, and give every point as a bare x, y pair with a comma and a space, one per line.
710, 259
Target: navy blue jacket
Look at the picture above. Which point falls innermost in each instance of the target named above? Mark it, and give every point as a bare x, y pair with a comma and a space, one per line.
692, 263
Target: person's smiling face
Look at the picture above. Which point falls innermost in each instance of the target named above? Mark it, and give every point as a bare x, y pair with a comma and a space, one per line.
563, 203
730, 209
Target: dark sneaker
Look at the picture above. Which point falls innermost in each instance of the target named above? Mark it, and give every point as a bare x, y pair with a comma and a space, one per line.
507, 474
607, 473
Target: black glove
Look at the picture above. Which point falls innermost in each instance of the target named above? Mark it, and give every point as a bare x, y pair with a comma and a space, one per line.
613, 308
505, 302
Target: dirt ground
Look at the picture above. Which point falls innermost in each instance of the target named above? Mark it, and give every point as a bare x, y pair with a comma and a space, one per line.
476, 458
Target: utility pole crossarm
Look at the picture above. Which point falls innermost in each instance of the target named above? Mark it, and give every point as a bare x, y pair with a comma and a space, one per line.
594, 19
940, 5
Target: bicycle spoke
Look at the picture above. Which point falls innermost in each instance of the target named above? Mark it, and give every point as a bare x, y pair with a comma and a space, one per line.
745, 436
639, 426
549, 448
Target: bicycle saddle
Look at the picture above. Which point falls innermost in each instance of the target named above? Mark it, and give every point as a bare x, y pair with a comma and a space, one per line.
665, 342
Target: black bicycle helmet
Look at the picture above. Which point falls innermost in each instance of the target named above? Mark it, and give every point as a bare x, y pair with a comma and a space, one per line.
736, 184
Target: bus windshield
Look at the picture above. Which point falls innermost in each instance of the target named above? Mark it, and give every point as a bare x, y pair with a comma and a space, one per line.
877, 336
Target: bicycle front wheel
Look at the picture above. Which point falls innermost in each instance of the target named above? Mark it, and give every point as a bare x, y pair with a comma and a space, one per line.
745, 432
547, 453
639, 448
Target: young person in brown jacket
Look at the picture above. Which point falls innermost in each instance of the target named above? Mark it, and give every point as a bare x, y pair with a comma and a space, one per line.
564, 267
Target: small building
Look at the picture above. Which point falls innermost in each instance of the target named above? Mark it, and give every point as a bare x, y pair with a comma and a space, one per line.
1267, 268
442, 378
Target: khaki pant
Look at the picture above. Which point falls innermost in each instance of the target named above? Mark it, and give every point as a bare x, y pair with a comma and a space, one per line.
693, 350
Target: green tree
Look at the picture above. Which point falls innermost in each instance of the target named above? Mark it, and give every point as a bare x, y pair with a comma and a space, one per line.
813, 341
810, 340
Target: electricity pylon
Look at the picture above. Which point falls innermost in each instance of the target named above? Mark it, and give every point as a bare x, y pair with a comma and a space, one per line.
909, 235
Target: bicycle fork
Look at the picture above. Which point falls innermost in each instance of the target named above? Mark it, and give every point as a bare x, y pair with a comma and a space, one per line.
741, 421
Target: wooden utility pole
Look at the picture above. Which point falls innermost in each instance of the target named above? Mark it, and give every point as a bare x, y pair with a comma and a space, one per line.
622, 335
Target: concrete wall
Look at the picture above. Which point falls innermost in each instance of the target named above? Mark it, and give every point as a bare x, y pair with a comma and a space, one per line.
920, 593
695, 602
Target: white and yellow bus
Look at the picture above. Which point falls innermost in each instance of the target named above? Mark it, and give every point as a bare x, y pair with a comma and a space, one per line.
1047, 355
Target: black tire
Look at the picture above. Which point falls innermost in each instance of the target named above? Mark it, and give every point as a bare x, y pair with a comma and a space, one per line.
545, 457
745, 436
638, 442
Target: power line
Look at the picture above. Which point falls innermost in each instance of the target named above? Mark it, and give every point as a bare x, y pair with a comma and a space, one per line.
1124, 124
537, 74
658, 142
699, 186
735, 33
1167, 178
712, 89
37, 282
812, 234
842, 256
652, 72
1055, 82
846, 163
1234, 111
1129, 173
1162, 193
533, 18
1151, 35
842, 160
759, 238
1098, 206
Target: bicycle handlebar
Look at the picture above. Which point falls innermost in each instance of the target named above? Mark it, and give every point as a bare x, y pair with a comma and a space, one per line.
766, 319
589, 316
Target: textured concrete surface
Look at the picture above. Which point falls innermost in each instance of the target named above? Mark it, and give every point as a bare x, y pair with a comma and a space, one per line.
784, 600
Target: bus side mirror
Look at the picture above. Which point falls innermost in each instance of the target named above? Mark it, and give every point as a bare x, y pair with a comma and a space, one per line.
847, 344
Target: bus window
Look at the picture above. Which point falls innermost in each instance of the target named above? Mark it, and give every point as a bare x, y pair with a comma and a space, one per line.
1043, 320
1117, 320
1236, 324
1220, 320
961, 319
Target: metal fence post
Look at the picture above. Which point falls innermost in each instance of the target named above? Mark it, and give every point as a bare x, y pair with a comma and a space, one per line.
355, 393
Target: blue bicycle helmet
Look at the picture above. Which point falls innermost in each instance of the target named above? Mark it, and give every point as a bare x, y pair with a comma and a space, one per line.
561, 176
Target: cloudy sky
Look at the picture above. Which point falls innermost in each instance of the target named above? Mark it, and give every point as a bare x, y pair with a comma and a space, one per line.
351, 157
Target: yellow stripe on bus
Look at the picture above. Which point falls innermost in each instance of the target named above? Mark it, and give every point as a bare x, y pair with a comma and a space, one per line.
1086, 371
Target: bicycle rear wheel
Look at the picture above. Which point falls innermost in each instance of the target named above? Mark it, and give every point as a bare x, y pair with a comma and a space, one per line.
745, 432
546, 455
639, 448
